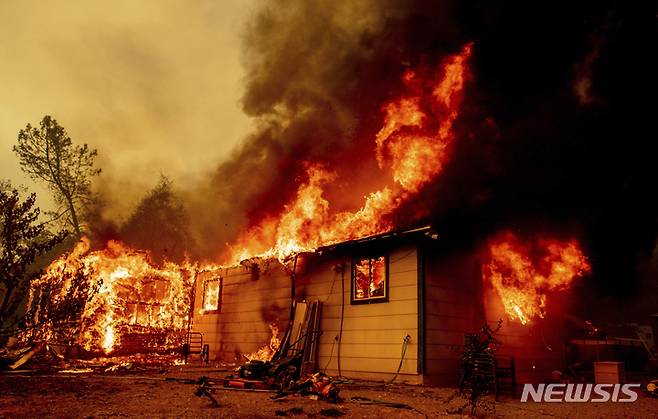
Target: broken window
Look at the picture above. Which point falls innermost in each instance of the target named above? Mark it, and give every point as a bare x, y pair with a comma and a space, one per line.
369, 280
212, 295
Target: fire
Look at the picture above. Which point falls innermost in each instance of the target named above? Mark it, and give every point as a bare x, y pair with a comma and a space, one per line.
109, 293
117, 292
212, 295
412, 145
523, 273
267, 352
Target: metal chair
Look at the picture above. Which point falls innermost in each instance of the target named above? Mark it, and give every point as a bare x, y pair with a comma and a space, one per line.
505, 373
194, 346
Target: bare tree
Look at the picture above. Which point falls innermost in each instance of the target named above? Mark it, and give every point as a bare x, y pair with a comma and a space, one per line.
48, 154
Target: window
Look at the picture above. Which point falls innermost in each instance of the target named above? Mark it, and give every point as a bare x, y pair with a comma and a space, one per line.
212, 295
370, 280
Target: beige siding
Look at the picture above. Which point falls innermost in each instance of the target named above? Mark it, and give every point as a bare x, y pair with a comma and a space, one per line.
372, 334
248, 307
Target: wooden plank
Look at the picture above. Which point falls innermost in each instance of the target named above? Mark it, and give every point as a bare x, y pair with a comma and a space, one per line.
408, 306
371, 350
386, 336
444, 337
450, 310
365, 364
382, 322
460, 324
403, 259
443, 366
396, 292
436, 351
441, 294
273, 304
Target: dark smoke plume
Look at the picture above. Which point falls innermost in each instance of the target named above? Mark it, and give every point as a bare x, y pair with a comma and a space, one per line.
531, 155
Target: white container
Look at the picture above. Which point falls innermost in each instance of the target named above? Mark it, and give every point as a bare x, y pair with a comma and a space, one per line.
609, 372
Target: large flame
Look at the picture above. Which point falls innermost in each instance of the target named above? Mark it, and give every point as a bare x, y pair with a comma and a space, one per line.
110, 293
412, 144
117, 291
522, 273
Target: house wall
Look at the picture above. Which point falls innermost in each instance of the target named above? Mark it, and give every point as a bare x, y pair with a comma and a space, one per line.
458, 301
453, 306
249, 304
372, 334
538, 348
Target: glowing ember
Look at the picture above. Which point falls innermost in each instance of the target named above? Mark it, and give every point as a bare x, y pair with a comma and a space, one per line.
412, 144
522, 273
267, 352
109, 293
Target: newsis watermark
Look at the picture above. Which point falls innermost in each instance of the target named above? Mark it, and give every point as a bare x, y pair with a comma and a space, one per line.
580, 393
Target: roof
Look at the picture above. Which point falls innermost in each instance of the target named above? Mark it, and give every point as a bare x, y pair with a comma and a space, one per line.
426, 231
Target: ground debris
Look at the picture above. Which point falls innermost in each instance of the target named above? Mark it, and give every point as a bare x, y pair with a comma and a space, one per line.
289, 412
205, 389
316, 386
37, 357
365, 400
331, 412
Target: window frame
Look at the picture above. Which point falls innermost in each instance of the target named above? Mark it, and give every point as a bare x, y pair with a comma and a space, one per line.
219, 297
370, 300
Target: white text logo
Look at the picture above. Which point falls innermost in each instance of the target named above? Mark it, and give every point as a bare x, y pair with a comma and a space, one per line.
580, 393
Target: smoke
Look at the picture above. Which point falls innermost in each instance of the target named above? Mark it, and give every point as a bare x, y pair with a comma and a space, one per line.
153, 85
529, 155
545, 162
317, 75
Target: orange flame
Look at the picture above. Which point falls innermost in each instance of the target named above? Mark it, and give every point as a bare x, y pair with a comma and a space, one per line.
119, 292
267, 352
522, 280
412, 143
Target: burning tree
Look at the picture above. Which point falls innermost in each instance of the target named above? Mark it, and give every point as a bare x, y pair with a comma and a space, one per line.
22, 240
48, 154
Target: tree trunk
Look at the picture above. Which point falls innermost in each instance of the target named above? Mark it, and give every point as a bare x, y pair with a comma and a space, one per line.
74, 216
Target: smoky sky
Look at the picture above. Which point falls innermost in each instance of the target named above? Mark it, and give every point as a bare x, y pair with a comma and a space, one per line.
155, 86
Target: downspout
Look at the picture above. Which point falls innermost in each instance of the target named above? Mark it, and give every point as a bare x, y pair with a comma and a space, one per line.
342, 315
283, 347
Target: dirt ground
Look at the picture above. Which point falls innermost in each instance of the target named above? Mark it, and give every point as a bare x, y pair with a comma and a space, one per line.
150, 395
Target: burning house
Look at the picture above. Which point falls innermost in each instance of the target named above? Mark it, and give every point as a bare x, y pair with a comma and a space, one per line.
394, 305
432, 192
395, 301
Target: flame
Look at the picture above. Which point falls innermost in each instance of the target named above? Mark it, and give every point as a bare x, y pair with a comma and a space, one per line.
117, 291
267, 352
110, 292
523, 273
412, 144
